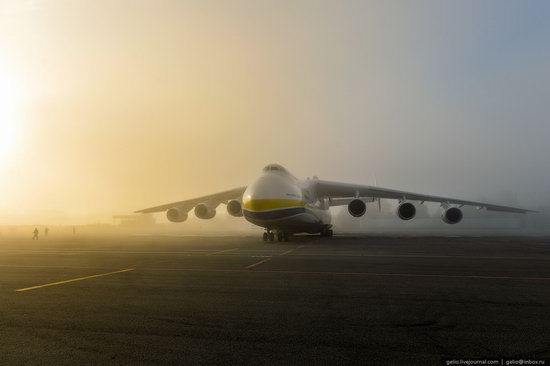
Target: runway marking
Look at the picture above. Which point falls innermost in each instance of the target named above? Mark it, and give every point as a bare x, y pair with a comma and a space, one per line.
73, 280
291, 250
349, 273
335, 255
245, 252
223, 251
270, 258
258, 263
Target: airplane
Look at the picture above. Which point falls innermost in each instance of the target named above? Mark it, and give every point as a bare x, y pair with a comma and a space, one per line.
284, 205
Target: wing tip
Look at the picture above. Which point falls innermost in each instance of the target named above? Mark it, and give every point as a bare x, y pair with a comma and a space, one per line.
511, 210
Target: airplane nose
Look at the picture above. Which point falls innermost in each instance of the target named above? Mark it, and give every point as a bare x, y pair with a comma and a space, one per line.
270, 190
272, 198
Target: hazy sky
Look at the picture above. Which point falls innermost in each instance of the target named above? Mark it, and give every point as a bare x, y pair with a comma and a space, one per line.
112, 106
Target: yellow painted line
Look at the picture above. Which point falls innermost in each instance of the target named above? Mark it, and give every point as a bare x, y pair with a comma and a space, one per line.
73, 280
258, 263
223, 251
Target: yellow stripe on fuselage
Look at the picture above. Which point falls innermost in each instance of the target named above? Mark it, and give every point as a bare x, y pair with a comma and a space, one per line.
271, 204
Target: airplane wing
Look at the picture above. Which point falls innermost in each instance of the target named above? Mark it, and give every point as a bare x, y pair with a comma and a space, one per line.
339, 192
186, 205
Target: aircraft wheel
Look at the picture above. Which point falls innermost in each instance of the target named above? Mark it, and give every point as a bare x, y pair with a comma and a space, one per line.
265, 237
271, 237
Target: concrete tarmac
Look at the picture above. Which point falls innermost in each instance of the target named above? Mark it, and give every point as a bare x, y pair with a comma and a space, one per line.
236, 300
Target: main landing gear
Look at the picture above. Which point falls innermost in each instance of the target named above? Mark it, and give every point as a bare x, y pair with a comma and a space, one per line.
270, 236
282, 236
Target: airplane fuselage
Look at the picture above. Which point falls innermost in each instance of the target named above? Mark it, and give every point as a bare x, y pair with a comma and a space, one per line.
284, 205
279, 201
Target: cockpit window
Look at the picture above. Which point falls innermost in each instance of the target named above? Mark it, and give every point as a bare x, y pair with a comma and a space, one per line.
274, 168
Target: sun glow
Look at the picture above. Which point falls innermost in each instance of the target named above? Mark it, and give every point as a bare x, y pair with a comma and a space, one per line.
10, 103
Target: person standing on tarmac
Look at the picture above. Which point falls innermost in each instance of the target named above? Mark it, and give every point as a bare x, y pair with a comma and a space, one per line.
35, 232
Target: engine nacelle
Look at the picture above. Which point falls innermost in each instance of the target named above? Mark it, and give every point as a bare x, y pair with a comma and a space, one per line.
205, 212
357, 208
451, 215
176, 215
235, 208
406, 211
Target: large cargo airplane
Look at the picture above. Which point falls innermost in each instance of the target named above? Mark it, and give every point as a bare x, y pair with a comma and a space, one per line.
285, 205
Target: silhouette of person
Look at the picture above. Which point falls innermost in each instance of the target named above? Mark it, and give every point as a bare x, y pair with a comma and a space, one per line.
46, 231
35, 232
74, 230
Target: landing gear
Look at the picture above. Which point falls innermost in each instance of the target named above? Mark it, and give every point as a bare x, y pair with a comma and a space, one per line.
327, 231
282, 236
268, 236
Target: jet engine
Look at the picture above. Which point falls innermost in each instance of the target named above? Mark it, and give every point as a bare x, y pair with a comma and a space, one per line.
205, 212
176, 215
357, 208
451, 215
235, 208
406, 211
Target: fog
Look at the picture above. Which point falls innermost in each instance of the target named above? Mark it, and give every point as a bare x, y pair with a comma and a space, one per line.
108, 107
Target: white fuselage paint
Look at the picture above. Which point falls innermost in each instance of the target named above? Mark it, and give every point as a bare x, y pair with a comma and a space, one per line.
278, 201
